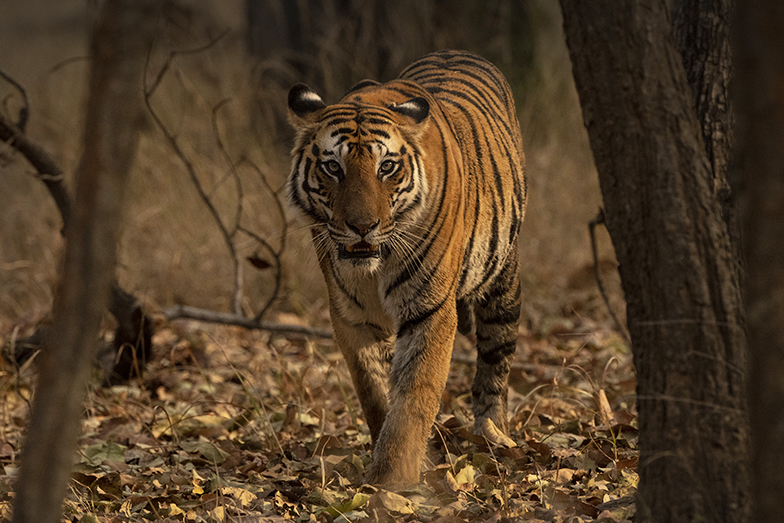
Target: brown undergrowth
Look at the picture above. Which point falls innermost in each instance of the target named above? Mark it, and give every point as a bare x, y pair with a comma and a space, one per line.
236, 425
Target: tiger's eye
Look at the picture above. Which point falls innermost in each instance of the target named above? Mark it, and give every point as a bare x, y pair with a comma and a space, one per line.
386, 167
332, 167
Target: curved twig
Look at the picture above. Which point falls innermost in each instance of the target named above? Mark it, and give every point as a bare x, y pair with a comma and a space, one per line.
134, 328
238, 291
591, 229
46, 169
276, 254
24, 112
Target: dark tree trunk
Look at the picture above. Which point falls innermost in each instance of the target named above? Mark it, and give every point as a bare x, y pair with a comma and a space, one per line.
678, 267
119, 47
760, 98
702, 33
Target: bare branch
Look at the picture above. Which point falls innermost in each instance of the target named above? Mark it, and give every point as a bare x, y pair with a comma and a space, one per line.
48, 171
591, 229
194, 313
134, 328
276, 254
149, 91
24, 112
237, 297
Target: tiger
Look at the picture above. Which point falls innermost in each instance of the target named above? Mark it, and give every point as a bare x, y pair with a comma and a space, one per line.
415, 191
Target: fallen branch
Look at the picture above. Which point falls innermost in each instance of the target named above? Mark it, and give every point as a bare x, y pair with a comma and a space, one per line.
224, 318
470, 361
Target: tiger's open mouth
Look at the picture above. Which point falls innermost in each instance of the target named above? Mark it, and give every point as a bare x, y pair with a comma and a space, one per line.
359, 250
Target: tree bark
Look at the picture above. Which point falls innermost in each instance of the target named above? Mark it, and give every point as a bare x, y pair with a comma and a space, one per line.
119, 47
760, 102
702, 34
678, 268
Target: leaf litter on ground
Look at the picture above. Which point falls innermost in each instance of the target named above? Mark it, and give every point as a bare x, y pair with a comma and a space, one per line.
235, 425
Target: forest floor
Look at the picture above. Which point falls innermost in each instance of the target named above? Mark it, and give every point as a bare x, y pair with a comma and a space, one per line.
230, 425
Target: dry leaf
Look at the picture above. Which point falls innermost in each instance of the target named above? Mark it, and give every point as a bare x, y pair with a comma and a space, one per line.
606, 412
396, 504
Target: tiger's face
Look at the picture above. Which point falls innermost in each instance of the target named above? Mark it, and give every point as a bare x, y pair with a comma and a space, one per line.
358, 175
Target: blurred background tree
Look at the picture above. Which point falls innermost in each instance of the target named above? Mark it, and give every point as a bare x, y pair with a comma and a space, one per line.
330, 44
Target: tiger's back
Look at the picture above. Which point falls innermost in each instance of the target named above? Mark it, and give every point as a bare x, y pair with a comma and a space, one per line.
415, 190
478, 104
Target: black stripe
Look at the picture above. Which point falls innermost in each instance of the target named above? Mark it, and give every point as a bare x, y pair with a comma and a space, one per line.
491, 263
498, 353
506, 317
379, 332
470, 247
377, 121
489, 115
411, 323
486, 389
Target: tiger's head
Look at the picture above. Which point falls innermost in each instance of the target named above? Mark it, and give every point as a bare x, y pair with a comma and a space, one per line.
358, 172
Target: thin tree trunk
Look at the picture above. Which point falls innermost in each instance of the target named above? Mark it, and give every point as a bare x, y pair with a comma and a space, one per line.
119, 47
760, 105
677, 264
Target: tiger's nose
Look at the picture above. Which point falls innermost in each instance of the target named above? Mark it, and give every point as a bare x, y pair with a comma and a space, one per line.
362, 228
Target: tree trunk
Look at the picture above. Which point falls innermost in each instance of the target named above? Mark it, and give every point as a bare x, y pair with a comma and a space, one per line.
678, 268
119, 47
702, 33
760, 105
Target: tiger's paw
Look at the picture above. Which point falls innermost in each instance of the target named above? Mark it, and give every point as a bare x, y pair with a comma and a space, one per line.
494, 435
383, 474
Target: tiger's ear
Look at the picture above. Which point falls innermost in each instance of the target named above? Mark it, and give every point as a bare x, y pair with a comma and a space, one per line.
304, 104
416, 108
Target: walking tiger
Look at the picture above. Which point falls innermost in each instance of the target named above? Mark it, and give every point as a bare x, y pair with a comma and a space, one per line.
415, 190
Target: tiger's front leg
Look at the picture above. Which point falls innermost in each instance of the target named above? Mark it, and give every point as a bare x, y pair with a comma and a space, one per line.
367, 349
420, 367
